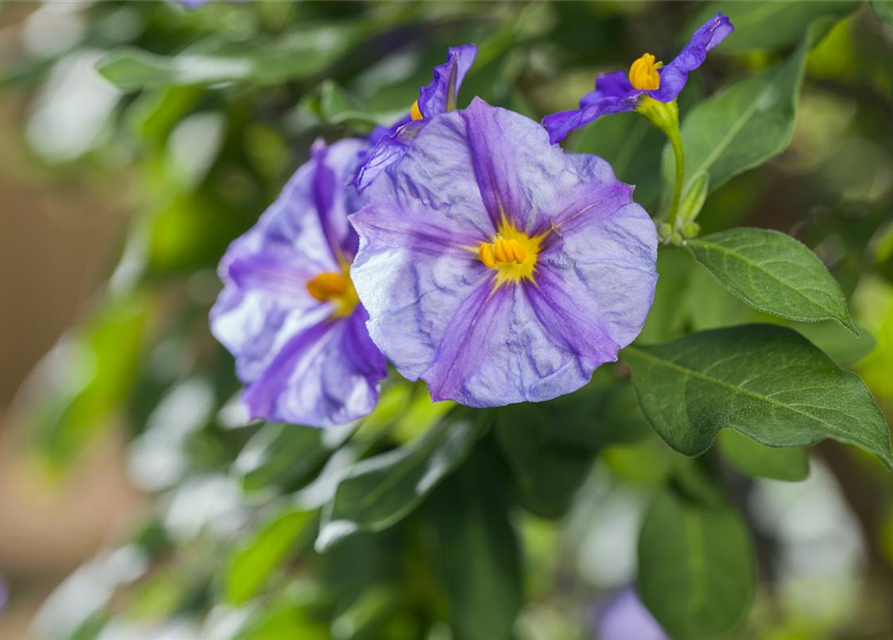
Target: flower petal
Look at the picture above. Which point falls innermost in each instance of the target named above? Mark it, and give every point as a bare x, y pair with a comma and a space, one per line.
412, 273
562, 123
332, 201
674, 75
326, 375
605, 262
520, 176
439, 95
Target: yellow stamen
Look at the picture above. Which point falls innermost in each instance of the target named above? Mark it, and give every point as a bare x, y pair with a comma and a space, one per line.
643, 73
415, 112
335, 288
512, 254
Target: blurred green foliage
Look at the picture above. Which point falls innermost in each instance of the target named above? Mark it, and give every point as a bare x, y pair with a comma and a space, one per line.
426, 521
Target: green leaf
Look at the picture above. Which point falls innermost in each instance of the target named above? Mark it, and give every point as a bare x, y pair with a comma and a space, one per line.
696, 567
256, 558
477, 550
883, 9
382, 490
84, 381
769, 25
765, 381
754, 459
294, 56
740, 126
284, 456
774, 273
547, 471
289, 614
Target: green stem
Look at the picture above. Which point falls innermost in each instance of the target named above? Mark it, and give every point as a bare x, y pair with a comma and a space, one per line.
676, 141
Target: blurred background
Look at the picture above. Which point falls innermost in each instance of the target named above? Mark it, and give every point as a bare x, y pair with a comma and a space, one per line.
128, 162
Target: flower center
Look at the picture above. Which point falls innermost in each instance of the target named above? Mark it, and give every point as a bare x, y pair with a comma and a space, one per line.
512, 254
335, 288
643, 73
415, 112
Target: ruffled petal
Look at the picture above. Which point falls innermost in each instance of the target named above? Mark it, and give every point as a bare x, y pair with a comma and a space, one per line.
562, 123
507, 346
604, 262
520, 176
615, 84
412, 272
332, 200
439, 95
674, 75
326, 375
388, 148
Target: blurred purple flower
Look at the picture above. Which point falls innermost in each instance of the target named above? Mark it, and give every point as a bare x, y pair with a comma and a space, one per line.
624, 617
289, 312
438, 96
620, 91
4, 594
497, 267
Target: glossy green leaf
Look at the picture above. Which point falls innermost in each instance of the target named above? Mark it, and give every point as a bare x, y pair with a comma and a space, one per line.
287, 615
476, 550
774, 273
696, 567
742, 125
284, 456
382, 490
883, 9
769, 25
765, 381
258, 556
755, 459
297, 55
547, 471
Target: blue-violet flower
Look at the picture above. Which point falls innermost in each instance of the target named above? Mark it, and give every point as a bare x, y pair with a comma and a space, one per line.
497, 267
620, 91
289, 312
438, 96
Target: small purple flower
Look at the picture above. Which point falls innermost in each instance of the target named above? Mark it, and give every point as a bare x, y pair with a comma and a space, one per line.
624, 617
289, 312
439, 96
496, 266
617, 91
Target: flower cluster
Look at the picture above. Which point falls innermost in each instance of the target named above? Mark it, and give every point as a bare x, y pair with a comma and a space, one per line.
461, 245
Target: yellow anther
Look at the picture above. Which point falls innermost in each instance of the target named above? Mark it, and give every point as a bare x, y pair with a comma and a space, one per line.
485, 253
643, 73
415, 112
512, 254
335, 288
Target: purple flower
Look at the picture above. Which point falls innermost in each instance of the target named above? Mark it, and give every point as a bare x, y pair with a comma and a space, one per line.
439, 96
289, 312
624, 617
619, 91
497, 267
